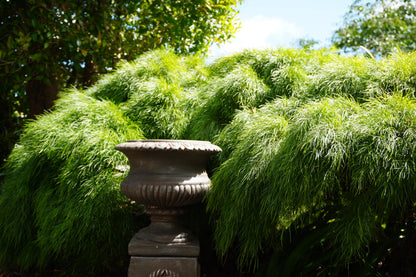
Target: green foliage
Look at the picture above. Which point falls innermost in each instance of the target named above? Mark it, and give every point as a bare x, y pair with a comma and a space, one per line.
306, 43
168, 85
333, 164
158, 90
240, 88
248, 80
316, 175
72, 37
397, 74
343, 76
60, 201
266, 130
49, 45
381, 26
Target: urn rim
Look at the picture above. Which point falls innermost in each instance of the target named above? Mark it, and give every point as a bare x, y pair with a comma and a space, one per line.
169, 145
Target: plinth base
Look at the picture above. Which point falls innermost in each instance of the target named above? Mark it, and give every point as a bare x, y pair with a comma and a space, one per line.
163, 266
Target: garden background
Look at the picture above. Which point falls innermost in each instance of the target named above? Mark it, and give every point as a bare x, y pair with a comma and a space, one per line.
316, 177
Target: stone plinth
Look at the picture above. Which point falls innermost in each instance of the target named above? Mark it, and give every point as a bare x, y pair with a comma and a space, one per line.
166, 176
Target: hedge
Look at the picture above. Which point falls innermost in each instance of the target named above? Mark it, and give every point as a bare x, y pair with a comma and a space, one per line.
317, 173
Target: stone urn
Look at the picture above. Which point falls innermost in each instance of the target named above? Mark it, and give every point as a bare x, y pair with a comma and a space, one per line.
165, 176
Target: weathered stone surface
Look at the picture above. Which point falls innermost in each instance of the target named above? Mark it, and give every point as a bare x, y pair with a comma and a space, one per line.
164, 266
166, 176
142, 247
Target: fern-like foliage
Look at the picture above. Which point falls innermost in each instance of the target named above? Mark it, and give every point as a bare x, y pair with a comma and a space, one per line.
60, 200
317, 173
345, 155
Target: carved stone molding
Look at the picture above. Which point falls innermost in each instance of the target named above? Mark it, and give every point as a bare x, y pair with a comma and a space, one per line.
163, 273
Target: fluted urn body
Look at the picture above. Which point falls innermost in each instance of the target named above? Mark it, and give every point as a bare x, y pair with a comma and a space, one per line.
165, 176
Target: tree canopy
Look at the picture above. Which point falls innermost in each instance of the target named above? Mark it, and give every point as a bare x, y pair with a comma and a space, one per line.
72, 41
51, 44
381, 26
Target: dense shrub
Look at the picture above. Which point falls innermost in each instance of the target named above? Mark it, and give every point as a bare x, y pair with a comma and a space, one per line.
60, 204
317, 173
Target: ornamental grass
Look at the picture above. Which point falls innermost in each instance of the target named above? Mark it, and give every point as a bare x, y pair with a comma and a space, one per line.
317, 173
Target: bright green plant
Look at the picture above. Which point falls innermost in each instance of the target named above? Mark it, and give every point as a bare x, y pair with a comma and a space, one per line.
240, 88
61, 206
60, 201
397, 74
248, 80
316, 175
46, 46
158, 90
332, 174
344, 76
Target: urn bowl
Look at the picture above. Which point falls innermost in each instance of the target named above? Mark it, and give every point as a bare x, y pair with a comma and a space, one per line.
167, 173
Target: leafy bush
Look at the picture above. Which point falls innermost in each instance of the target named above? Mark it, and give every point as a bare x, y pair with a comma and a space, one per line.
316, 175
60, 202
347, 161
246, 80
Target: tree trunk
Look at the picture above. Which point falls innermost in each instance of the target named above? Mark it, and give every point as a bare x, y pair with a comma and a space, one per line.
41, 96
